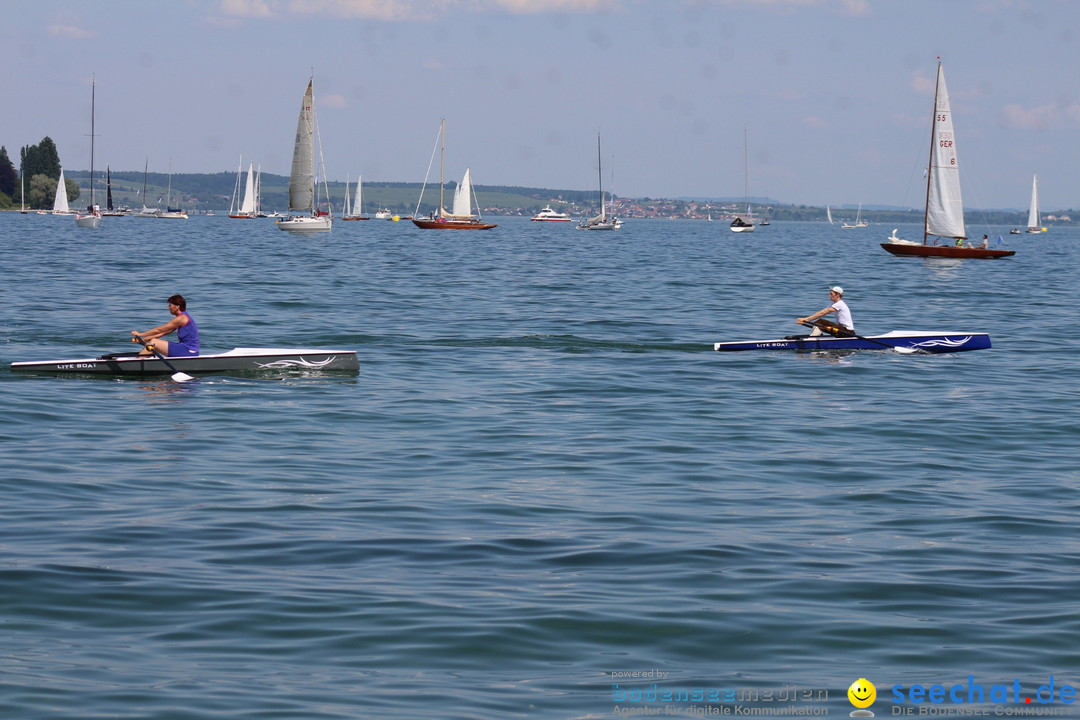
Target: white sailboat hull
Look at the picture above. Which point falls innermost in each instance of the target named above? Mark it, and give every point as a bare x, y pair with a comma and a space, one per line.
306, 224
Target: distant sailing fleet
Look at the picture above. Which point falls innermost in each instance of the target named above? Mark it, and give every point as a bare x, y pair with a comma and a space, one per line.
310, 209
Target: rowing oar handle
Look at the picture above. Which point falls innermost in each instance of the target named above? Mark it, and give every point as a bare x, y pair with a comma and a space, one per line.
897, 348
815, 324
177, 375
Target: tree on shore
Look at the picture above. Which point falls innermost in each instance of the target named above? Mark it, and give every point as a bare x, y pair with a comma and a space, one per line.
41, 191
41, 159
9, 178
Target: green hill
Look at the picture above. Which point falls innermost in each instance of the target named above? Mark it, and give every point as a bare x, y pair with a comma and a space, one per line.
196, 192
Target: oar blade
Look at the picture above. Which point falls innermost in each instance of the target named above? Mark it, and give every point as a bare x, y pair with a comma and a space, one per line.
182, 377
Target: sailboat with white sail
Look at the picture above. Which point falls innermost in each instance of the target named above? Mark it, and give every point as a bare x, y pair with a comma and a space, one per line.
602, 221
303, 183
944, 214
244, 208
462, 217
92, 217
859, 222
60, 202
355, 209
1034, 223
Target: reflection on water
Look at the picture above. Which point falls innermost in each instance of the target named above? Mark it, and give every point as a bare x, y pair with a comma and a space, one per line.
164, 390
945, 268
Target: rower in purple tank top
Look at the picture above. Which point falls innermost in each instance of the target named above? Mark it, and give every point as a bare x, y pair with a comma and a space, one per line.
187, 332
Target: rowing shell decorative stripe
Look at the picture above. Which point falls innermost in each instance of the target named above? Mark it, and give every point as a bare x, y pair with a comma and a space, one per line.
943, 342
301, 363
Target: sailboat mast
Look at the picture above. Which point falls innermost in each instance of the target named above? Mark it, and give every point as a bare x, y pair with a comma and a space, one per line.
442, 164
600, 178
93, 90
746, 169
930, 166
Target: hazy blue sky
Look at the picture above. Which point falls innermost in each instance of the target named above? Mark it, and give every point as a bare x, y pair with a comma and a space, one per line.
835, 94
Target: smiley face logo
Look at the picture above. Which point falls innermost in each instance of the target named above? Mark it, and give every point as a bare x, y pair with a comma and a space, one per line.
862, 693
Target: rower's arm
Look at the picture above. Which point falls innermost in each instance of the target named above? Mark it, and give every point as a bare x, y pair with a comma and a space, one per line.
162, 330
819, 314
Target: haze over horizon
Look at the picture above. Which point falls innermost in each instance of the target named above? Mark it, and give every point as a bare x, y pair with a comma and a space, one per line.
833, 95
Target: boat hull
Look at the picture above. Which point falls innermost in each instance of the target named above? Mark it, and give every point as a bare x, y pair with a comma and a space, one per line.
92, 221
302, 224
928, 342
549, 215
945, 251
453, 224
240, 360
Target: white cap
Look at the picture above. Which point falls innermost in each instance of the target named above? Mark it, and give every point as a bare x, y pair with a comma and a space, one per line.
837, 289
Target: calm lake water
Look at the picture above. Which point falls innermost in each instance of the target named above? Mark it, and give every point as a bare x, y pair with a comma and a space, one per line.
542, 477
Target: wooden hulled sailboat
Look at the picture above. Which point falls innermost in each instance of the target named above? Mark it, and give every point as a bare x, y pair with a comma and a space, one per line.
461, 218
944, 214
303, 185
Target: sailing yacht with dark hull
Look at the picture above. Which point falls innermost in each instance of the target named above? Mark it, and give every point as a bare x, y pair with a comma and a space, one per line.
943, 217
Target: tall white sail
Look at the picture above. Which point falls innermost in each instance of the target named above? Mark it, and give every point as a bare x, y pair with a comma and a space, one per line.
944, 205
1033, 211
302, 176
463, 196
358, 201
247, 207
302, 197
60, 204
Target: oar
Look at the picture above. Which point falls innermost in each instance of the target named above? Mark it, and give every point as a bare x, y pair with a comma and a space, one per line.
897, 348
177, 375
